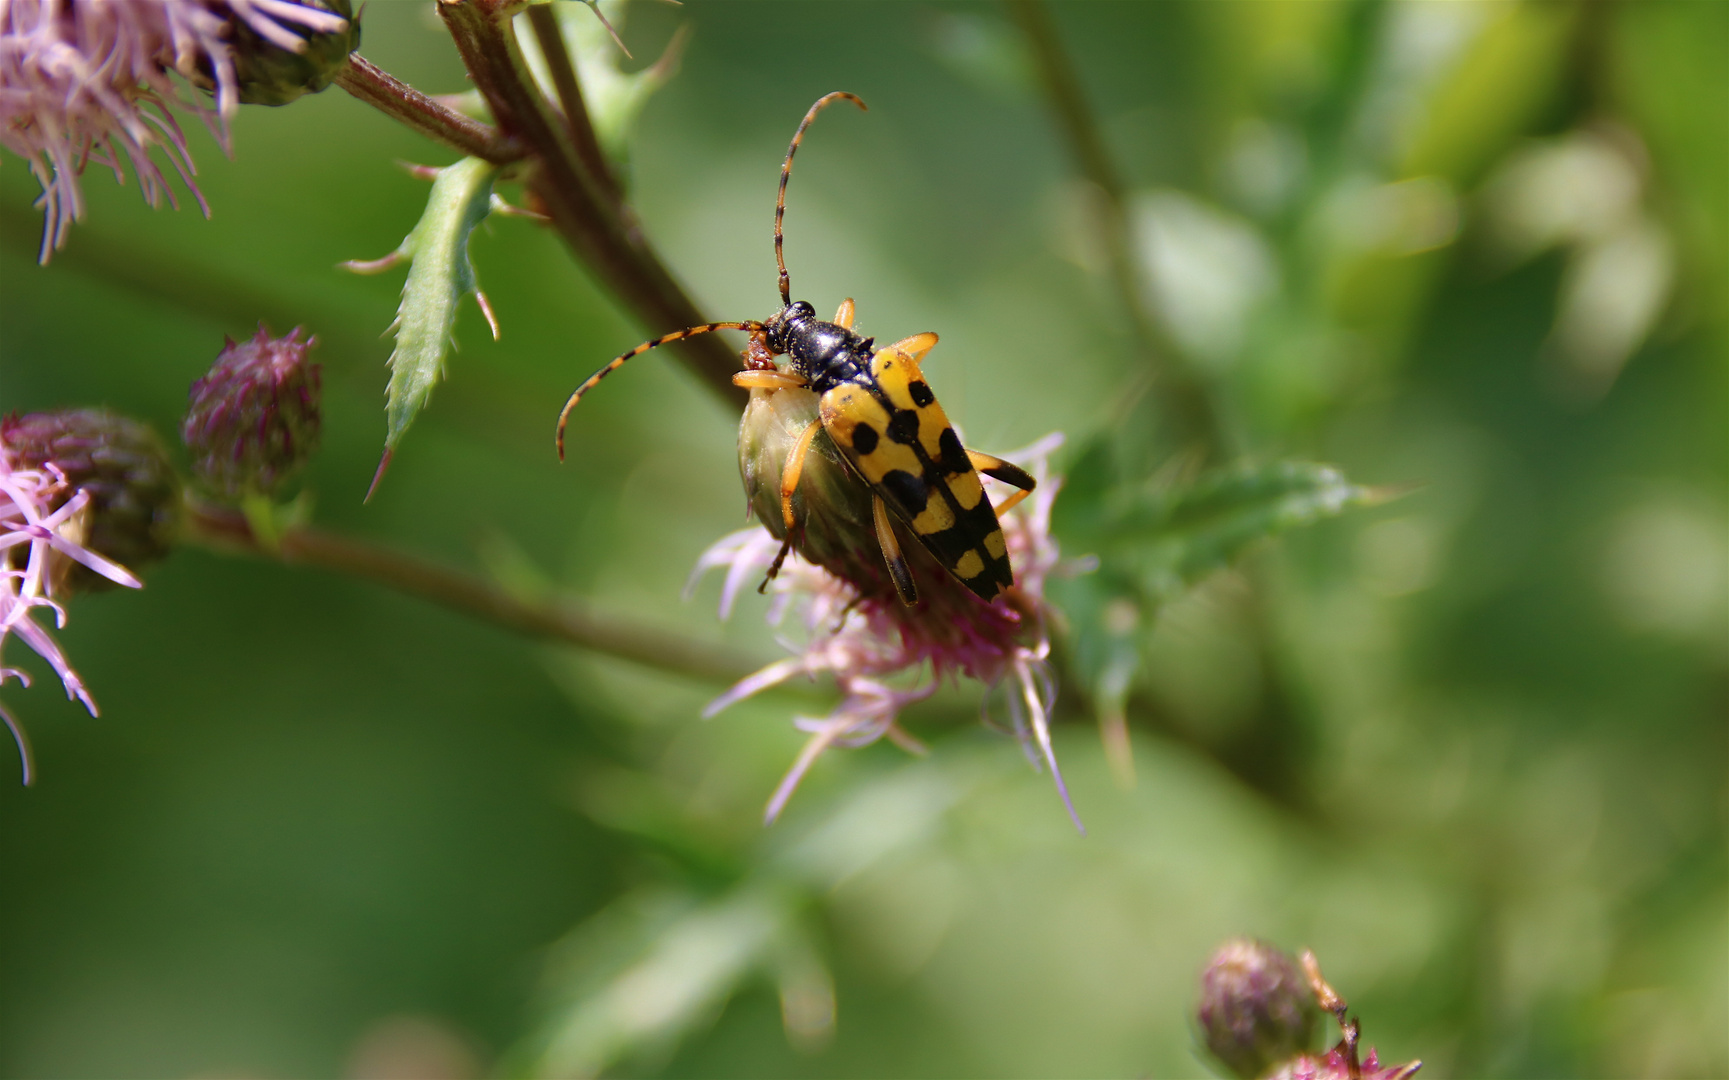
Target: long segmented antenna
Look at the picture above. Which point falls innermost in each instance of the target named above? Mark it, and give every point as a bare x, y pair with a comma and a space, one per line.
676, 335
786, 171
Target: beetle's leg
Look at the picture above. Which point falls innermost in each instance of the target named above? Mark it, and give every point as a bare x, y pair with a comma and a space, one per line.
774, 568
789, 476
756, 379
903, 576
994, 466
916, 346
843, 317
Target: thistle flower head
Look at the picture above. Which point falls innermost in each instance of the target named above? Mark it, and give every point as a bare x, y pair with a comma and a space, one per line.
51, 510
121, 468
882, 654
1256, 1007
275, 63
253, 420
1258, 1012
94, 80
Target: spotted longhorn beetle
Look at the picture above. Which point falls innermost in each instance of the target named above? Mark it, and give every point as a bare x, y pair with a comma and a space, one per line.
877, 408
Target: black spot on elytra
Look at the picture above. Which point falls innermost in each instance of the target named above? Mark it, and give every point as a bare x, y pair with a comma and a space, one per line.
864, 438
981, 519
908, 490
953, 455
921, 393
904, 427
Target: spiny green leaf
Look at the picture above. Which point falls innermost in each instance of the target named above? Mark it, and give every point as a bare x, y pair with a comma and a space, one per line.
1170, 537
1155, 541
439, 275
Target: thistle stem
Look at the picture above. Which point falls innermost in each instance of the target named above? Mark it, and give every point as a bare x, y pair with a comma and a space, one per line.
563, 621
596, 228
550, 38
395, 98
1190, 410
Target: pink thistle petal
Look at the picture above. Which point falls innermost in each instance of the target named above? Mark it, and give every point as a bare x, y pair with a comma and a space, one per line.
41, 517
22, 741
813, 748
749, 686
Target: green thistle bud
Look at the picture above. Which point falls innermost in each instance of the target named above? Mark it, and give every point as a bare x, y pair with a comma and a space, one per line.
253, 420
833, 504
1257, 1009
267, 73
134, 491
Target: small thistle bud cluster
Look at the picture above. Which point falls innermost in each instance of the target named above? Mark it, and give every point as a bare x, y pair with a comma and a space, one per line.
1257, 1016
253, 421
1256, 1008
120, 466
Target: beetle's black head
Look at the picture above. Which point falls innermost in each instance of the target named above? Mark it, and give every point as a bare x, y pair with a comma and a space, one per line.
787, 323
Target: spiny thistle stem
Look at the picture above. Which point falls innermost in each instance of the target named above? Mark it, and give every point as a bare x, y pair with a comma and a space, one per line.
227, 531
595, 228
576, 121
395, 98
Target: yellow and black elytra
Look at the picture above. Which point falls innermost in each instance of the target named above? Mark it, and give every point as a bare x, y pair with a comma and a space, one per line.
881, 414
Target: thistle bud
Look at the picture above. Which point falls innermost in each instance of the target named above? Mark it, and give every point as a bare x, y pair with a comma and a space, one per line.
1257, 1009
121, 465
832, 505
270, 70
253, 420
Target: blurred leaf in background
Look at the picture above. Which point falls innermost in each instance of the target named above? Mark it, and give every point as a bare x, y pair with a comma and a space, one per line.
1466, 744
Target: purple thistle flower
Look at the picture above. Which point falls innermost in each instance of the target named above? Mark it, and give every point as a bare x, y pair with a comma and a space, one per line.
43, 523
86, 81
885, 656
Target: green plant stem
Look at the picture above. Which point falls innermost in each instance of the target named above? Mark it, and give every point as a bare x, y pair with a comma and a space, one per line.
1189, 411
597, 229
550, 38
395, 98
563, 621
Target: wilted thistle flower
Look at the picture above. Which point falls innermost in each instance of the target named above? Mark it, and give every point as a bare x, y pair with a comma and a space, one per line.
1256, 1007
93, 80
253, 420
883, 654
75, 489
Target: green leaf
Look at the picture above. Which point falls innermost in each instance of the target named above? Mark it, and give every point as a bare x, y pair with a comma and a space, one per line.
1156, 540
439, 275
652, 968
1169, 538
655, 966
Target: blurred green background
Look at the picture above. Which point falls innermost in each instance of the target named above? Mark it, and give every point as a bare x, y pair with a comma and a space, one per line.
321, 829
